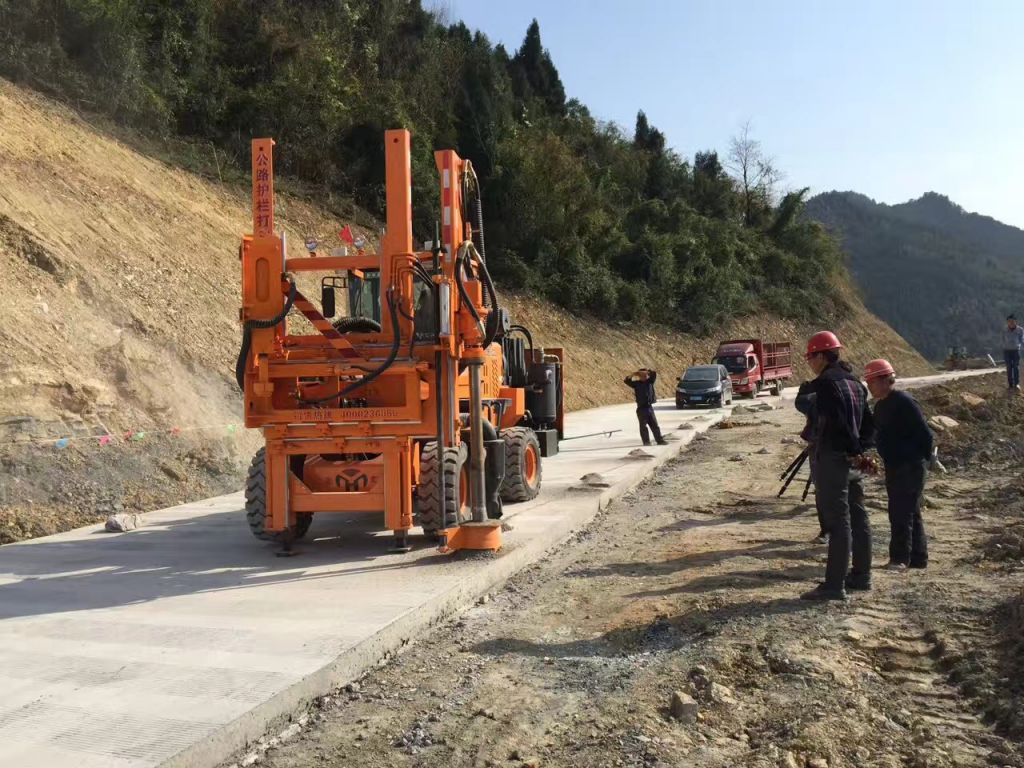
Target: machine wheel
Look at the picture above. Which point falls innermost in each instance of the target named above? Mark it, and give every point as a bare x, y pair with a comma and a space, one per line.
456, 487
680, 405
776, 389
522, 465
356, 325
256, 503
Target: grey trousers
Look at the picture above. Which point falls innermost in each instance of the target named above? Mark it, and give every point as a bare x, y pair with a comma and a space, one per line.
839, 494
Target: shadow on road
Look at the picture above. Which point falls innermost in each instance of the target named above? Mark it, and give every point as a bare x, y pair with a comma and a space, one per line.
189, 555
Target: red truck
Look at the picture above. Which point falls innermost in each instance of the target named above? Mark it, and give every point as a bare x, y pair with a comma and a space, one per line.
756, 365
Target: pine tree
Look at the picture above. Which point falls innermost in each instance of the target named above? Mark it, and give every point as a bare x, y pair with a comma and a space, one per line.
534, 75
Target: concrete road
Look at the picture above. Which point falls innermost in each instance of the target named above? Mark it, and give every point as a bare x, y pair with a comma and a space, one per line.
177, 644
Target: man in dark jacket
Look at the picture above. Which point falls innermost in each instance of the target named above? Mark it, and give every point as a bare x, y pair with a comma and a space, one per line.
642, 383
843, 431
905, 443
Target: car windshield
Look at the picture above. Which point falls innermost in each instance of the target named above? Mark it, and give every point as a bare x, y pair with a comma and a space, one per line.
701, 374
733, 363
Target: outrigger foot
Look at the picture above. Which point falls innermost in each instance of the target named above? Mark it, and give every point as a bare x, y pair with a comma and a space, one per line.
287, 539
401, 543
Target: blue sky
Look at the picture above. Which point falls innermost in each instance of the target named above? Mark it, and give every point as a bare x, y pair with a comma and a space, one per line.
891, 99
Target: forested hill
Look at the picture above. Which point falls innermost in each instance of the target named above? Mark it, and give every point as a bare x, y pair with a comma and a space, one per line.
938, 275
593, 217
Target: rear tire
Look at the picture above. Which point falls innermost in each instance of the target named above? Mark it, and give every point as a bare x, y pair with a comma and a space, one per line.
428, 490
256, 504
522, 465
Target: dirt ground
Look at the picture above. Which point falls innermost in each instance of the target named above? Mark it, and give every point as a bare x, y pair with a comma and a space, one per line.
688, 585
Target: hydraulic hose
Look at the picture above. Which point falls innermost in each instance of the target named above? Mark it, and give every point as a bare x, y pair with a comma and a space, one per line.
523, 330
462, 267
478, 208
492, 318
396, 342
249, 325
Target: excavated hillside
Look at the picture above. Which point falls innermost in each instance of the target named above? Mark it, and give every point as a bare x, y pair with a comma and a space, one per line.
118, 328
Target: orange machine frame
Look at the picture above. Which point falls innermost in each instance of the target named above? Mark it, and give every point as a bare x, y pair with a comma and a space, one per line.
293, 384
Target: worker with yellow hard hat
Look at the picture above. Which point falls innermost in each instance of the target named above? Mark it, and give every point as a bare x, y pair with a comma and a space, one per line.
905, 444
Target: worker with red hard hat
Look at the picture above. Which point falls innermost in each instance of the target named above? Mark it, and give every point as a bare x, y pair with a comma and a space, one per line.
905, 444
843, 431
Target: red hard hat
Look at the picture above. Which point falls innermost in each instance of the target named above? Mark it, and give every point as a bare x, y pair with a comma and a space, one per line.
876, 369
822, 341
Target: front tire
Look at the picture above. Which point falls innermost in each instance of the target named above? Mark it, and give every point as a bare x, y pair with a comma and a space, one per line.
256, 504
456, 488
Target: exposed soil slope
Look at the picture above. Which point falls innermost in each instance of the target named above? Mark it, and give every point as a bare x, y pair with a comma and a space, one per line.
119, 317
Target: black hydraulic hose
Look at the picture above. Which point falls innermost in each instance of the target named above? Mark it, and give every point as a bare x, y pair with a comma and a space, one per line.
460, 265
523, 330
492, 318
396, 343
249, 325
243, 358
479, 210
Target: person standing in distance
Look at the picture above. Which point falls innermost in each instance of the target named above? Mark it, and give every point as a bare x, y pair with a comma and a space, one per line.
642, 384
843, 432
1013, 339
905, 444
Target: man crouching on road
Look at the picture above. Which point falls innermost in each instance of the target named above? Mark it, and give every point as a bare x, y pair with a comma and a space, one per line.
642, 383
844, 430
905, 443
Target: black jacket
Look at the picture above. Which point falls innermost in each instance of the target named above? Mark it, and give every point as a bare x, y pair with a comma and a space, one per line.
643, 391
844, 423
805, 403
903, 433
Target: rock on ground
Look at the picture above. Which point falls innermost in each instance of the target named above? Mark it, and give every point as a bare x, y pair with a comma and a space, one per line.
684, 707
122, 523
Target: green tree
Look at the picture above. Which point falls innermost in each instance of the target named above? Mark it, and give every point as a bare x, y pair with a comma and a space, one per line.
534, 75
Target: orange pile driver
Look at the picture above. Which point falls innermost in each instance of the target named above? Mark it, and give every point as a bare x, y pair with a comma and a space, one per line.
424, 403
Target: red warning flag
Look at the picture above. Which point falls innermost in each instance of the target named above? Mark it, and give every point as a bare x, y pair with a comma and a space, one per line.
346, 235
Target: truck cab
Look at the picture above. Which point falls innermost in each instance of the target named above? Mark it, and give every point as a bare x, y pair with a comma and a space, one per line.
755, 365
741, 362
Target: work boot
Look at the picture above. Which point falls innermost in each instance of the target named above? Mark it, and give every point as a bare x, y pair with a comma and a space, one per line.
919, 565
892, 565
821, 538
663, 442
856, 582
822, 593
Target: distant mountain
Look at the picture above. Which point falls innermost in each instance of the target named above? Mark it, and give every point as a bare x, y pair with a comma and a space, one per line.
940, 276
